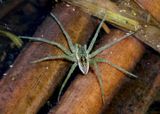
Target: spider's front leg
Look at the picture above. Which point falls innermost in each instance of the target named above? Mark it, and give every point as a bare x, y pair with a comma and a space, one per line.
71, 46
51, 57
38, 39
95, 35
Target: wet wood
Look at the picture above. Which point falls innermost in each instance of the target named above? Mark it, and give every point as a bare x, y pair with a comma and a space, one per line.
83, 95
132, 10
26, 87
100, 7
152, 6
150, 35
125, 15
136, 96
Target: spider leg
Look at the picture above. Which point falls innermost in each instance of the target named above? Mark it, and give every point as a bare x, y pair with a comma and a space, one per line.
12, 37
98, 74
65, 81
64, 32
99, 50
54, 57
48, 42
96, 35
115, 66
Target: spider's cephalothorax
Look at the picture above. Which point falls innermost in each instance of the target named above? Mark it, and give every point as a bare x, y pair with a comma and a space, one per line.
82, 58
81, 55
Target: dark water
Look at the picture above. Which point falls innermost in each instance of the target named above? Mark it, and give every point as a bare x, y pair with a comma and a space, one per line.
21, 20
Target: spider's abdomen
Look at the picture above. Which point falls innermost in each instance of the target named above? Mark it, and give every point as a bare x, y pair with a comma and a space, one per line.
82, 58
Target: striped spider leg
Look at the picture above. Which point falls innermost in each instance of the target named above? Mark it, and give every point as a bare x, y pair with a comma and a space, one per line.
81, 56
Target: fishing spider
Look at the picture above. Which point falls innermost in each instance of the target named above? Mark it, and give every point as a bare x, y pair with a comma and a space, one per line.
81, 55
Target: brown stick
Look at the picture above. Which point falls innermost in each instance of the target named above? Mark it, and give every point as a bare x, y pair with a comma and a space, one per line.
84, 96
136, 96
129, 10
27, 86
152, 6
99, 7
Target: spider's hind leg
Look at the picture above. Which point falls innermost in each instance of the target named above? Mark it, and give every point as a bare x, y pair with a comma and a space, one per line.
66, 79
115, 66
99, 77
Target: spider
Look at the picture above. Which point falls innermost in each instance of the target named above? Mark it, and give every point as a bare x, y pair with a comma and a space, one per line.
81, 55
